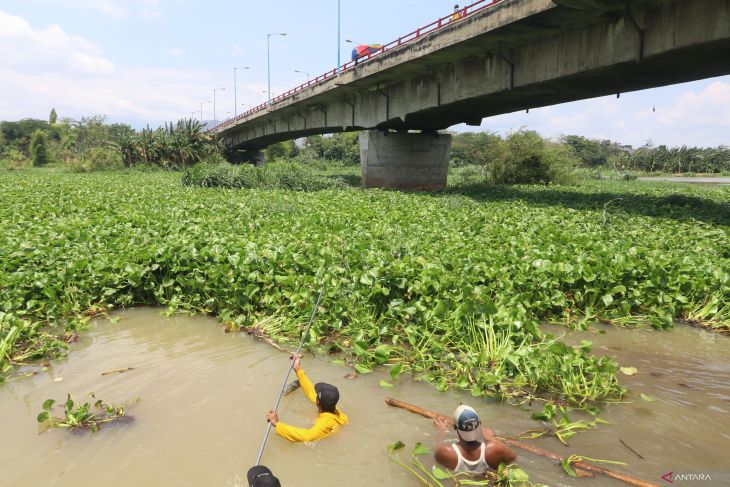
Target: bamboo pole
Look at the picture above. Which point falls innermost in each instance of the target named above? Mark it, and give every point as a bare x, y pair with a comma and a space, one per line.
532, 449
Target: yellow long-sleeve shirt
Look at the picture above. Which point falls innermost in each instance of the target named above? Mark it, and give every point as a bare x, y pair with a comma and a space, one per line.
324, 425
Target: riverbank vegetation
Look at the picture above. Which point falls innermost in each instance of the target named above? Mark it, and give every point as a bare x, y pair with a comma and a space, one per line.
275, 175
452, 286
91, 144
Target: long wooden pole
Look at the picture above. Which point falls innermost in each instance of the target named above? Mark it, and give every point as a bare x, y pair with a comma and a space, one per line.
532, 449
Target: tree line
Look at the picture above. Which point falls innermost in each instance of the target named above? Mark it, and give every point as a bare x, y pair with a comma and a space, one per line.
93, 144
522, 156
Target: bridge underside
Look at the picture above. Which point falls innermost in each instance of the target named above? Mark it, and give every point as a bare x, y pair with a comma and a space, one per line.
522, 54
518, 55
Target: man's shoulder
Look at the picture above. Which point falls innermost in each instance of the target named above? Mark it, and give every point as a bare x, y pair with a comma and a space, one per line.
446, 449
446, 455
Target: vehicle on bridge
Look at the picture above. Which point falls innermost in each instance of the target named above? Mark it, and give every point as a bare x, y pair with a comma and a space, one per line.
364, 50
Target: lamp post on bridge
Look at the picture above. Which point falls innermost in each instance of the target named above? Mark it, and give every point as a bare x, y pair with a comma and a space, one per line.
214, 92
268, 58
339, 42
303, 72
235, 89
201, 109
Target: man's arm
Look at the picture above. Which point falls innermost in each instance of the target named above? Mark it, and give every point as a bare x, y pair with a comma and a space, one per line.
498, 453
320, 429
304, 382
445, 454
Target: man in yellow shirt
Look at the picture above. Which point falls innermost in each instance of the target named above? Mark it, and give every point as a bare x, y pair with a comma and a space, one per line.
329, 419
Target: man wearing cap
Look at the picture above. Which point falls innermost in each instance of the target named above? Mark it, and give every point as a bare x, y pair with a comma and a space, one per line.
329, 419
477, 449
260, 476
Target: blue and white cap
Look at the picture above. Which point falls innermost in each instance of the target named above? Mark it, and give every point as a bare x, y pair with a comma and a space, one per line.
468, 425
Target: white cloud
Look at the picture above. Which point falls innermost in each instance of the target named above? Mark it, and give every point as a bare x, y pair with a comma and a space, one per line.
699, 115
26, 49
44, 68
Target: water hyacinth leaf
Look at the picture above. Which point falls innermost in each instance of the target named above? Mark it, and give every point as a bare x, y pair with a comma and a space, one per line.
396, 446
518, 475
646, 397
48, 404
488, 307
396, 371
593, 410
629, 370
381, 354
607, 299
567, 465
386, 385
439, 473
43, 417
360, 348
420, 450
362, 369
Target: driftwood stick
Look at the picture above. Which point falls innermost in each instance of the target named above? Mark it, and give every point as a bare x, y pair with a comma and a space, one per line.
532, 449
630, 449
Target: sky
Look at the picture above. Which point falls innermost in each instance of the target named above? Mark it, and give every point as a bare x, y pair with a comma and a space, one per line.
149, 61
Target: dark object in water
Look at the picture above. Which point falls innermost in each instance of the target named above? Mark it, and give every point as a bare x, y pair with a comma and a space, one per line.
291, 387
630, 449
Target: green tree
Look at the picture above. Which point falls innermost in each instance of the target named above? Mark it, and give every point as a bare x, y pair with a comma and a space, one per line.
281, 150
590, 152
53, 117
17, 134
39, 148
474, 148
526, 158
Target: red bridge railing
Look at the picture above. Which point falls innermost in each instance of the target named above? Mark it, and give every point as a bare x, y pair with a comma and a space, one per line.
406, 39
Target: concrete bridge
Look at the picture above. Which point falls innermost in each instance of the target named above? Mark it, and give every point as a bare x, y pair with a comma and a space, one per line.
501, 56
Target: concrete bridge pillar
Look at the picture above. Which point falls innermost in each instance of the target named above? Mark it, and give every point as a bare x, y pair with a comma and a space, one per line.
404, 161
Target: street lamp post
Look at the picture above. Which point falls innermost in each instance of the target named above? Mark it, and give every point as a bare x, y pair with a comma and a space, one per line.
339, 63
201, 109
235, 89
214, 91
268, 58
303, 72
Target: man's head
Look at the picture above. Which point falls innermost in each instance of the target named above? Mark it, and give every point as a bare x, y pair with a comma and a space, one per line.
260, 476
456, 7
467, 424
327, 396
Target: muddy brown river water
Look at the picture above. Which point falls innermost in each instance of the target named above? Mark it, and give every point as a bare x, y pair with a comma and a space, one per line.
204, 394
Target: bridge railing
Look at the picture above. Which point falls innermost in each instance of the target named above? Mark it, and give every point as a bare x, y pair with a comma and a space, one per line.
406, 39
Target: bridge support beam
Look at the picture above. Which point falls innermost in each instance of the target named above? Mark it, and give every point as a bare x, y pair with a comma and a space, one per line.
404, 161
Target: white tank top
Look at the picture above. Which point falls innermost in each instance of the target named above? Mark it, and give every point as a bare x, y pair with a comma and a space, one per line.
474, 467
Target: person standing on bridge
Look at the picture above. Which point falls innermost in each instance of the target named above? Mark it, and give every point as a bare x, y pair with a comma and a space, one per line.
477, 449
457, 13
325, 397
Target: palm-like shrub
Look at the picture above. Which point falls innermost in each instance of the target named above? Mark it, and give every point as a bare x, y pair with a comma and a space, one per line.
173, 146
